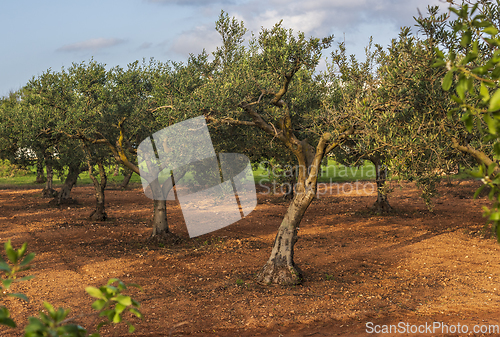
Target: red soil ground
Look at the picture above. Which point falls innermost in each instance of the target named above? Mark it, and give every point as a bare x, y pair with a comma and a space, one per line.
412, 266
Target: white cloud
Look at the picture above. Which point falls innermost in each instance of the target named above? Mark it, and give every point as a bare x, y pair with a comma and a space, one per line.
190, 2
91, 45
306, 22
322, 17
195, 40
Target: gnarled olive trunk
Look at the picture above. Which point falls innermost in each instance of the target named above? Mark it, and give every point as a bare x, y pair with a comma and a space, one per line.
99, 214
160, 193
48, 191
382, 204
160, 224
40, 175
280, 267
64, 194
126, 180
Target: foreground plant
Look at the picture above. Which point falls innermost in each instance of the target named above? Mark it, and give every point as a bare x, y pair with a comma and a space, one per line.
110, 303
473, 77
18, 261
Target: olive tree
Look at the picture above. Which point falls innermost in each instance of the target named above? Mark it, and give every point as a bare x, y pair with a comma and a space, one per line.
268, 86
349, 87
45, 103
407, 116
9, 128
397, 100
147, 99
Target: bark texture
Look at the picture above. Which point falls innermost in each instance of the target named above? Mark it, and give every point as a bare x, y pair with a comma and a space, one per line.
160, 224
160, 193
48, 191
64, 194
126, 180
382, 204
40, 175
99, 214
280, 267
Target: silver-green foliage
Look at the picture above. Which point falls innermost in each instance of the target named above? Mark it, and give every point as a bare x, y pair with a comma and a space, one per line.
473, 77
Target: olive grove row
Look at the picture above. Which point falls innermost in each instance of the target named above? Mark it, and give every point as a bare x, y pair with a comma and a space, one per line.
419, 106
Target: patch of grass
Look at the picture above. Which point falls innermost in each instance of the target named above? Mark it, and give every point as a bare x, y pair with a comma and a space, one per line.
84, 179
17, 176
11, 174
333, 172
28, 179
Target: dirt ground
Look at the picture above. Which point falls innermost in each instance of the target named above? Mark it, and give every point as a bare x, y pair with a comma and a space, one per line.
360, 270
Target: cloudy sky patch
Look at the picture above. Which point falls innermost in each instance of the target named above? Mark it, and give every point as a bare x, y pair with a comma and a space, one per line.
91, 45
190, 2
193, 41
58, 33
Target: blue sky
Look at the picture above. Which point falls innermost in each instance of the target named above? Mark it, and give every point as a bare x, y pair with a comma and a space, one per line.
38, 35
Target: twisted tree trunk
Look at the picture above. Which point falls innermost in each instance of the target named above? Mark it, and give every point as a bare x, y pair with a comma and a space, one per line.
126, 180
99, 214
382, 204
280, 267
64, 194
40, 175
48, 191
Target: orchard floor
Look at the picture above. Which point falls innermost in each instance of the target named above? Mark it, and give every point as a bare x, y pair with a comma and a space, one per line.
412, 266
